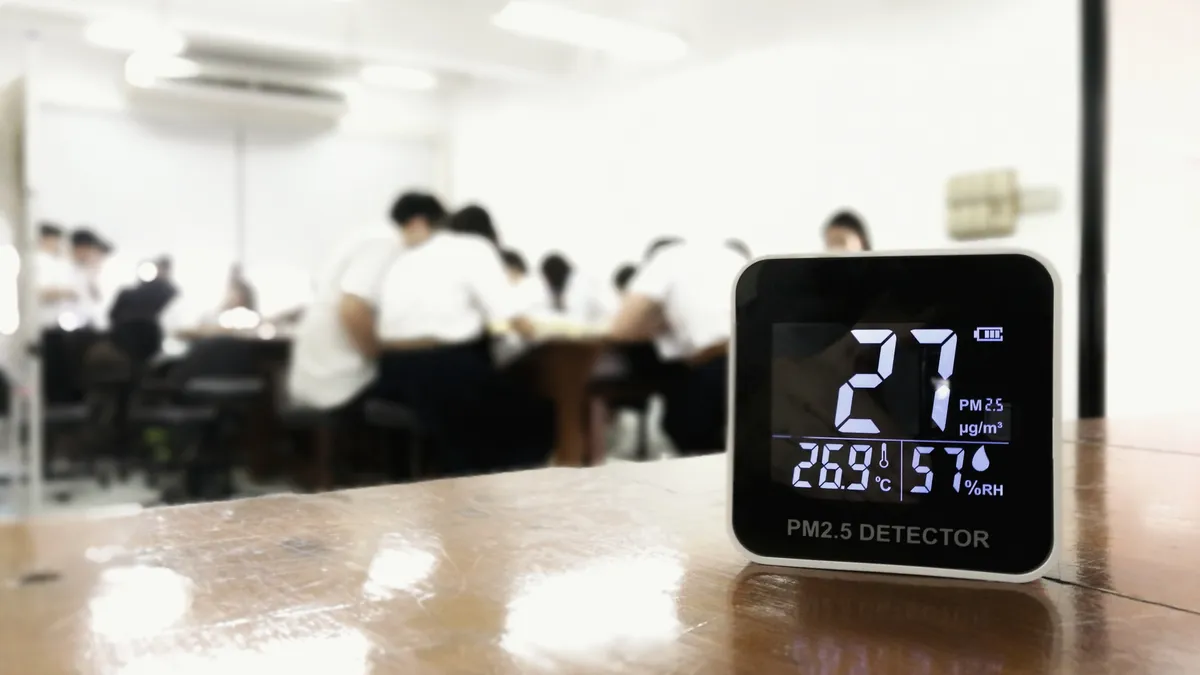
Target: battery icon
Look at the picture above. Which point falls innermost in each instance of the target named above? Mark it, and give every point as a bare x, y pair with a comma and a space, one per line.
989, 335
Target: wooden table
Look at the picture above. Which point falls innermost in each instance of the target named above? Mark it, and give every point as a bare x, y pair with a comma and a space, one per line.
562, 370
623, 568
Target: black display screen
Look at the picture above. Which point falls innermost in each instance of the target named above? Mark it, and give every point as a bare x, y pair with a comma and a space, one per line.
893, 411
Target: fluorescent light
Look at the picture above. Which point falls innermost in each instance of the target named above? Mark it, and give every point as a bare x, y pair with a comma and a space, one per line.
619, 38
132, 34
143, 69
395, 77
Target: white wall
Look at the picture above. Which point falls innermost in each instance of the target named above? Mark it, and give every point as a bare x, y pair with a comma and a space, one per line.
174, 181
151, 188
876, 114
1154, 207
304, 193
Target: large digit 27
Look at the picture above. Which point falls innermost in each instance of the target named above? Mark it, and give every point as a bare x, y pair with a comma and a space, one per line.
845, 401
949, 342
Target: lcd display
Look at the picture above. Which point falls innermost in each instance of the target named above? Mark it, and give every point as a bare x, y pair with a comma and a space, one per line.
896, 413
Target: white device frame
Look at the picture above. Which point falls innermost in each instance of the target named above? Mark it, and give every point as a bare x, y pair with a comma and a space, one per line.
1056, 443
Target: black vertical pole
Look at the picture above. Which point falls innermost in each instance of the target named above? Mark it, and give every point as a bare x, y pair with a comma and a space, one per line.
1092, 290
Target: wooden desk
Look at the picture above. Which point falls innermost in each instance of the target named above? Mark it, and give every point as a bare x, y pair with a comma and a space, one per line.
562, 370
623, 568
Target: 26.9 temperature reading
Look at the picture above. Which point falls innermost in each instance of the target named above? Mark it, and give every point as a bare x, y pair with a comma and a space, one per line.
861, 466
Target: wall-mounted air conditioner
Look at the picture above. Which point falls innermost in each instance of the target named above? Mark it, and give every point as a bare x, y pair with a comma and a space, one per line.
221, 89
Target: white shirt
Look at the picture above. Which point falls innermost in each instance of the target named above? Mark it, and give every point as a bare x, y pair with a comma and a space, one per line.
88, 302
54, 272
449, 288
586, 301
693, 282
326, 370
532, 294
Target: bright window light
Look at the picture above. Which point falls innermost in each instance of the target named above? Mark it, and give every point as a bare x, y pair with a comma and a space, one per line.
619, 38
132, 34
144, 69
396, 77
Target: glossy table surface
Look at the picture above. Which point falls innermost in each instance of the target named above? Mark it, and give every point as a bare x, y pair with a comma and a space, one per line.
624, 568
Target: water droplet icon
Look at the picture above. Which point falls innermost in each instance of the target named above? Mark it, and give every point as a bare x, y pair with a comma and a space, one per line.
980, 461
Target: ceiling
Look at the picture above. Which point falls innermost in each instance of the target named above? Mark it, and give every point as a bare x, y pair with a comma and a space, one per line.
454, 37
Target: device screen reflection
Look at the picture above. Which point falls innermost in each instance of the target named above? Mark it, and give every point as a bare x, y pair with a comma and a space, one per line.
842, 624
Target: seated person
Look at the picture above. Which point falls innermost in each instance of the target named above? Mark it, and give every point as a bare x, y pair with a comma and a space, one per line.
93, 291
682, 299
514, 266
476, 220
846, 233
738, 246
435, 305
137, 315
334, 353
147, 300
531, 291
56, 282
573, 296
622, 277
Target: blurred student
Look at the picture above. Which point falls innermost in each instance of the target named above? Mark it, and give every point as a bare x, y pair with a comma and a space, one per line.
67, 337
574, 295
846, 233
738, 246
147, 300
239, 294
435, 304
88, 254
238, 308
557, 273
58, 291
57, 286
335, 350
514, 266
622, 277
531, 291
681, 299
660, 244
137, 315
476, 220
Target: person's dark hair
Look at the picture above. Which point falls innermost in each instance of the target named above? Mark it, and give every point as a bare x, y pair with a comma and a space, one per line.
50, 230
514, 260
660, 244
475, 219
84, 237
557, 271
412, 205
738, 246
624, 275
164, 264
850, 221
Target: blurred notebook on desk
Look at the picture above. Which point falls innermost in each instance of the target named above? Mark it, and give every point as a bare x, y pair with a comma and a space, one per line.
508, 346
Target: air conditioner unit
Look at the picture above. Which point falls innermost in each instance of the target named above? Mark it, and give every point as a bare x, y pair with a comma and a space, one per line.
229, 90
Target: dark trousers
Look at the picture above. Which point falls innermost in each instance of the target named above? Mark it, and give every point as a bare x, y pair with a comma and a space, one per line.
696, 410
477, 420
63, 355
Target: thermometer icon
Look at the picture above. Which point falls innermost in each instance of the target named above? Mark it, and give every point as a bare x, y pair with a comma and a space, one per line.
883, 463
